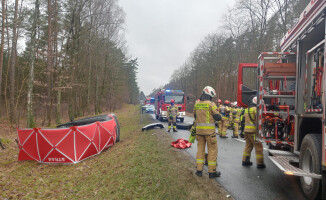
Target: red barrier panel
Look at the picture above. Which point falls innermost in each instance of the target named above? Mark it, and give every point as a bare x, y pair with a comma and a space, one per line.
67, 145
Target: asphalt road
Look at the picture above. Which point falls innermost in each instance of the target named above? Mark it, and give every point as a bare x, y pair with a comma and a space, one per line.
246, 183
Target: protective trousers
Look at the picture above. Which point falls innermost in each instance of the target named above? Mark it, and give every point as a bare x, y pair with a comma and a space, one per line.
225, 124
212, 152
219, 129
173, 122
236, 128
250, 144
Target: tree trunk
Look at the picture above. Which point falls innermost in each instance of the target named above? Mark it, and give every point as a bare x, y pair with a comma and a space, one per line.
30, 115
2, 43
49, 64
12, 66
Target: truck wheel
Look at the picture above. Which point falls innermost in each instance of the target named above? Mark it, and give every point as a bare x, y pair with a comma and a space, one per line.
310, 161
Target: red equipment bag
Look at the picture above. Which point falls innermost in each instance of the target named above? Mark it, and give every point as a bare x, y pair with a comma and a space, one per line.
181, 144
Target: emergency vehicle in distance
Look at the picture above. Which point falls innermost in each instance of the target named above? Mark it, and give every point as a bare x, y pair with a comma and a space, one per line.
149, 101
163, 99
291, 91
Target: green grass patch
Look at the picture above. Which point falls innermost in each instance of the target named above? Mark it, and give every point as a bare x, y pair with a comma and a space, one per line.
142, 165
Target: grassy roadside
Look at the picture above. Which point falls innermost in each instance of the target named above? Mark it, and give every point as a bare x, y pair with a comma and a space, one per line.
140, 166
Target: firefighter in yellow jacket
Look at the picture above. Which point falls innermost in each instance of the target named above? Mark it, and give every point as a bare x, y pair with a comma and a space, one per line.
250, 136
236, 112
219, 124
172, 113
206, 113
225, 112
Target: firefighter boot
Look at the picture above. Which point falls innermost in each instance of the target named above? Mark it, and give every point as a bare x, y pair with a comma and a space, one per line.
247, 161
214, 174
199, 173
234, 136
261, 166
175, 130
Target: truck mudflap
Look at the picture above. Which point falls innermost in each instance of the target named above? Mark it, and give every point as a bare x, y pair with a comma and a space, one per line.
283, 160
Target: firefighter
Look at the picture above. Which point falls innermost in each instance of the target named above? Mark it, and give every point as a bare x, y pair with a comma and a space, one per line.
242, 123
250, 136
225, 111
206, 113
219, 104
172, 113
231, 117
235, 123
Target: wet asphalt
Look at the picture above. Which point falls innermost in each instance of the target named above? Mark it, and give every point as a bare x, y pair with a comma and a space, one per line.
246, 183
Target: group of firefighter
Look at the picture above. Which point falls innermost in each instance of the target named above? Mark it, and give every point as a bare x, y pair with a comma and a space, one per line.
207, 116
231, 118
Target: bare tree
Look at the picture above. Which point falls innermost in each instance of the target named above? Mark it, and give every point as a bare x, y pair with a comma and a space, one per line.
3, 5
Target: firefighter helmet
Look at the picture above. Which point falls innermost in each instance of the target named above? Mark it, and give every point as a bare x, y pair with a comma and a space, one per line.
226, 102
209, 91
219, 101
172, 100
254, 100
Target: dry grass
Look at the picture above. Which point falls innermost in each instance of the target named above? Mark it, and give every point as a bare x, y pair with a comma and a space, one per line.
142, 165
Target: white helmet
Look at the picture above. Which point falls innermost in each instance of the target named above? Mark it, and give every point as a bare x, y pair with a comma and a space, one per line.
209, 91
235, 103
254, 100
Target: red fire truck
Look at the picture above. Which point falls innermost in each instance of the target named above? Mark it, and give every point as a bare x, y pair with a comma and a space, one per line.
163, 99
149, 101
291, 91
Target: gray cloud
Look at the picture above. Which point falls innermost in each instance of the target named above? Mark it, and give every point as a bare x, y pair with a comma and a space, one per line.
162, 34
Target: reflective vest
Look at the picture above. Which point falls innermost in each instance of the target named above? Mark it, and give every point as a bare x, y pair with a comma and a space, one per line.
205, 123
250, 126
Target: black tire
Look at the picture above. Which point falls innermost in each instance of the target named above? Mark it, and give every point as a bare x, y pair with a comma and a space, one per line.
161, 119
85, 121
182, 119
184, 126
310, 161
117, 128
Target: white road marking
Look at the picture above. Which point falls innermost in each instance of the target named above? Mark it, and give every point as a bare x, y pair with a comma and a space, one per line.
245, 141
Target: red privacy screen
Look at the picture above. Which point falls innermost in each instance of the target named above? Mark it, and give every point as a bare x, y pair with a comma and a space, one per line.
66, 145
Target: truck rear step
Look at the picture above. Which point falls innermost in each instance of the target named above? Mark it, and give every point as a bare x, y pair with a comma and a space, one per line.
282, 160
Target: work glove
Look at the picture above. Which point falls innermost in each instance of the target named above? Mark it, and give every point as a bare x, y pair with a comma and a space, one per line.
192, 136
171, 118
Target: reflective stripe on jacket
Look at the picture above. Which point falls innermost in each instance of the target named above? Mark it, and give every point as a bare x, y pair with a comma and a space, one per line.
205, 123
250, 124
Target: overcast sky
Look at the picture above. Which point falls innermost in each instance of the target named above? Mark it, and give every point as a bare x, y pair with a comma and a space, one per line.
163, 33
